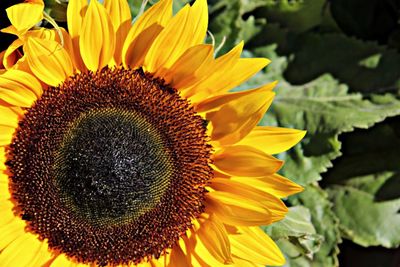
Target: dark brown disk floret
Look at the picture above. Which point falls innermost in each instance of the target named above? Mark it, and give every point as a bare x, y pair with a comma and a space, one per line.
110, 167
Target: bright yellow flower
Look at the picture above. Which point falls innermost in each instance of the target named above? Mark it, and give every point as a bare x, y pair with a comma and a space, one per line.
120, 144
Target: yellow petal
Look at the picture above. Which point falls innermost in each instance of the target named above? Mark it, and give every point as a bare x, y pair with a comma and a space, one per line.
43, 255
25, 15
198, 253
160, 262
69, 47
22, 64
143, 264
239, 262
3, 175
246, 161
6, 134
5, 195
184, 70
186, 29
215, 102
218, 174
242, 70
232, 121
27, 250
274, 184
42, 33
8, 123
275, 206
6, 218
210, 72
160, 14
75, 13
4, 190
63, 261
8, 116
121, 19
144, 31
48, 60
97, 38
138, 49
3, 178
10, 30
11, 54
178, 257
235, 74
19, 88
272, 140
256, 246
10, 232
215, 238
54, 35
237, 210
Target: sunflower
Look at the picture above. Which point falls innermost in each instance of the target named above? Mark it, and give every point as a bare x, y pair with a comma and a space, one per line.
121, 145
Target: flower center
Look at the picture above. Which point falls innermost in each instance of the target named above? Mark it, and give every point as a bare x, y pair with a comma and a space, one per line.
110, 167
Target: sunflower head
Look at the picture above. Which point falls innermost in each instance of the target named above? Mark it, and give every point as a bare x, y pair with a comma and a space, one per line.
121, 144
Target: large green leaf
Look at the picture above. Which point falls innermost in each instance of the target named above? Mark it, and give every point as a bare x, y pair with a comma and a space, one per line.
227, 20
376, 20
344, 61
57, 9
381, 155
298, 15
326, 109
366, 185
344, 57
296, 236
135, 5
365, 220
297, 229
323, 107
325, 223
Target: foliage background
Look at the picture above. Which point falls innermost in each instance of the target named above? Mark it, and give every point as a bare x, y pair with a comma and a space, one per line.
338, 66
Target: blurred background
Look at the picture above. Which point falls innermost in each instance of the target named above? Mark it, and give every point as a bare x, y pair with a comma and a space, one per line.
338, 67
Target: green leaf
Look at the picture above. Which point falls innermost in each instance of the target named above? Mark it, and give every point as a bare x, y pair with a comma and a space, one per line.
370, 183
343, 62
298, 229
178, 4
227, 20
371, 62
390, 189
298, 15
57, 9
135, 5
325, 223
324, 105
325, 109
382, 154
373, 21
365, 185
363, 219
